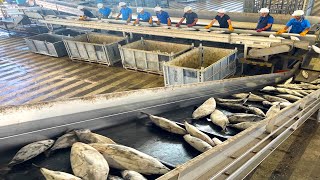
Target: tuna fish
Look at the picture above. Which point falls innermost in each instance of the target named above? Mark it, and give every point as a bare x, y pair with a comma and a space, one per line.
86, 136
288, 81
290, 86
205, 109
219, 119
305, 74
230, 100
289, 97
57, 175
132, 175
197, 143
30, 151
268, 89
65, 141
274, 98
242, 125
317, 81
111, 177
267, 103
289, 91
126, 158
250, 96
283, 104
243, 117
256, 111
192, 130
273, 110
166, 124
216, 141
234, 106
88, 163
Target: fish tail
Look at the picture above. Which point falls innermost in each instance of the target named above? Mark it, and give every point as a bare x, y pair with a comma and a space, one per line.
36, 165
5, 170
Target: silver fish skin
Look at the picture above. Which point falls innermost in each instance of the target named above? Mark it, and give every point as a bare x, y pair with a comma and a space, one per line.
234, 106
219, 119
288, 81
217, 141
256, 111
112, 177
273, 110
205, 109
197, 143
250, 96
242, 125
30, 151
57, 175
86, 136
289, 97
192, 130
244, 117
274, 98
229, 100
64, 141
132, 175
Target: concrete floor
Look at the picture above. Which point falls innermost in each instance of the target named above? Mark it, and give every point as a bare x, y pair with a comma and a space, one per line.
26, 77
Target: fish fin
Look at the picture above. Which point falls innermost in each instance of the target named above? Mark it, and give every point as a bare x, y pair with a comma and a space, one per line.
4, 170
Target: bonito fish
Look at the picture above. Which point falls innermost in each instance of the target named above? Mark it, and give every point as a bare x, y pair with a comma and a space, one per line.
132, 175
86, 136
219, 119
197, 143
243, 117
57, 175
250, 96
274, 98
242, 125
65, 141
205, 109
192, 130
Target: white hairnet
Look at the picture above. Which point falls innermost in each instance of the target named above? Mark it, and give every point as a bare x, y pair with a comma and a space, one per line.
157, 9
264, 10
221, 11
298, 13
122, 4
188, 8
100, 5
139, 9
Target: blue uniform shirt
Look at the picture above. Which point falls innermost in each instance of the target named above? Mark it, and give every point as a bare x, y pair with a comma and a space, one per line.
163, 17
105, 12
264, 21
144, 17
298, 25
125, 13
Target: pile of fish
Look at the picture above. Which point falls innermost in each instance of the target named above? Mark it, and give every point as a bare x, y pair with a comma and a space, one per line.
92, 155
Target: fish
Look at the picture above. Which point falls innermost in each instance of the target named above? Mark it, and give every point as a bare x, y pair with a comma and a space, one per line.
234, 106
305, 74
272, 36
268, 89
317, 81
289, 97
256, 111
86, 136
219, 119
282, 104
230, 100
127, 158
193, 131
242, 125
290, 86
273, 110
243, 117
197, 143
57, 175
274, 98
250, 96
288, 81
132, 175
308, 86
87, 163
289, 91
303, 92
64, 141
30, 151
217, 141
316, 49
112, 177
166, 124
205, 109
267, 103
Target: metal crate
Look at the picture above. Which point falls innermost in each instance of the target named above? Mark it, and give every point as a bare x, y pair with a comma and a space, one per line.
96, 48
200, 65
47, 44
149, 56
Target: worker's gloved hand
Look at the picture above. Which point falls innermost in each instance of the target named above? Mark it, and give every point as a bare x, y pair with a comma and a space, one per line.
82, 18
128, 20
178, 25
134, 23
304, 33
281, 31
208, 27
169, 23
117, 18
150, 21
190, 25
230, 28
260, 30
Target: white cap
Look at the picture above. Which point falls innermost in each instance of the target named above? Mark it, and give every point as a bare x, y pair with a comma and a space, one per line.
100, 5
264, 10
139, 9
188, 8
221, 11
122, 4
157, 9
80, 7
298, 13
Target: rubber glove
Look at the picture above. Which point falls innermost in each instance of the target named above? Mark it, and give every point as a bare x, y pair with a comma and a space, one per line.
150, 21
260, 30
281, 31
82, 18
304, 33
178, 25
169, 22
208, 27
134, 23
230, 28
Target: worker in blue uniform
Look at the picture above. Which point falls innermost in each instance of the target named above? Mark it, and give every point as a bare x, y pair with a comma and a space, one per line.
143, 16
163, 17
104, 12
298, 24
191, 17
265, 21
223, 19
125, 11
86, 13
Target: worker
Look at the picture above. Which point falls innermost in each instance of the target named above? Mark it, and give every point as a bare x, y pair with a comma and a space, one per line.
143, 16
265, 21
104, 11
298, 24
223, 19
86, 13
191, 17
163, 17
125, 11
